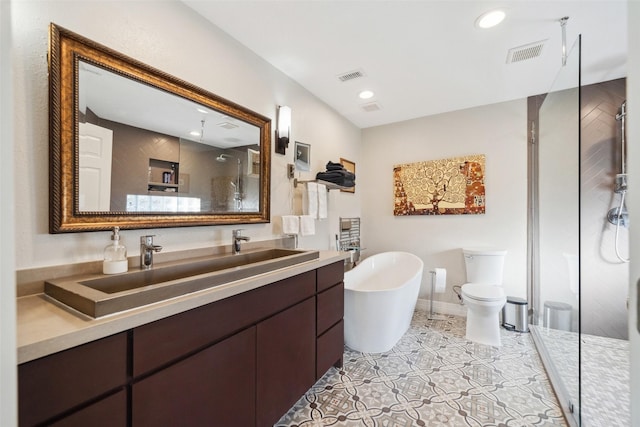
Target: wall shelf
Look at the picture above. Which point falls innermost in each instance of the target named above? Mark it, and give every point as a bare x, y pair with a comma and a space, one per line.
163, 176
160, 184
329, 185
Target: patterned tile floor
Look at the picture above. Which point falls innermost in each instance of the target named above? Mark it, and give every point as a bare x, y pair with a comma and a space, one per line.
606, 383
604, 363
434, 377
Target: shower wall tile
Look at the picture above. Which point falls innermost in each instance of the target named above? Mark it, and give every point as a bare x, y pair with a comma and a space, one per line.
604, 278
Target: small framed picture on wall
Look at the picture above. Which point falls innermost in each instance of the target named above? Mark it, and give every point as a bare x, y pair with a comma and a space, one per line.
302, 156
351, 167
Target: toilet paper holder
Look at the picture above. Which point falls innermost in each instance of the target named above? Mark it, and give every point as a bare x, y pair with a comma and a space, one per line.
441, 273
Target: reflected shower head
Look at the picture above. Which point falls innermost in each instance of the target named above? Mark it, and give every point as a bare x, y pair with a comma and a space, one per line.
222, 157
623, 111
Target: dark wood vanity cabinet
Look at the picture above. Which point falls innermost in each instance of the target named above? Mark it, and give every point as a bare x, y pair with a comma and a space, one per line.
286, 360
108, 412
329, 314
164, 341
73, 386
211, 387
241, 361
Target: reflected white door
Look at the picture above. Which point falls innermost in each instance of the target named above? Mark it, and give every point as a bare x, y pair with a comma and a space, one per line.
95, 150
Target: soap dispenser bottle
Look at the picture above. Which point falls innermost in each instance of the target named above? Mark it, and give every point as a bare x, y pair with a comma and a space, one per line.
115, 255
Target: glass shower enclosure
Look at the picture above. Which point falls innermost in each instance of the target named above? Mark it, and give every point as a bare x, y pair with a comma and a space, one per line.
554, 234
578, 274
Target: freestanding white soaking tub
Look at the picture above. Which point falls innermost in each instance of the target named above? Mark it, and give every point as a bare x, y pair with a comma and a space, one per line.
380, 295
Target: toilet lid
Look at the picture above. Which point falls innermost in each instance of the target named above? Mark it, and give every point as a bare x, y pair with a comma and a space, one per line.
482, 292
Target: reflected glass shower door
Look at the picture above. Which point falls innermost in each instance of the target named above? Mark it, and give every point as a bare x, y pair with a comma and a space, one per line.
556, 277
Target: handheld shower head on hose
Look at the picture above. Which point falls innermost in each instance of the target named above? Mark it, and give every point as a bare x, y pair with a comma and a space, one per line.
618, 216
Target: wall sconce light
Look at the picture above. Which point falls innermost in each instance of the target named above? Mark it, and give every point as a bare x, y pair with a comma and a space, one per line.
283, 129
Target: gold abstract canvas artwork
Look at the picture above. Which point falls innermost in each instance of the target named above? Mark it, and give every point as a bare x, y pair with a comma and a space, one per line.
440, 187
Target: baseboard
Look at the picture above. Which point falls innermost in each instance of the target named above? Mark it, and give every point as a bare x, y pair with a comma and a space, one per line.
442, 307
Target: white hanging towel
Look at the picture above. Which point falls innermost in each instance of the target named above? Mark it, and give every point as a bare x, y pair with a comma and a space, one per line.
290, 224
322, 201
312, 199
307, 225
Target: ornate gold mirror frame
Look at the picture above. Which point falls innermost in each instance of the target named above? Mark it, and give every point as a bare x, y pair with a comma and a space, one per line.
66, 50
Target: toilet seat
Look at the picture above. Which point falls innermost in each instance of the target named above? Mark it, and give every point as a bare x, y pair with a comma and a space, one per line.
481, 292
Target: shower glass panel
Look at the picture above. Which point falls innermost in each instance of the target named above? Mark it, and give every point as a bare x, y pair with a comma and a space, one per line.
556, 277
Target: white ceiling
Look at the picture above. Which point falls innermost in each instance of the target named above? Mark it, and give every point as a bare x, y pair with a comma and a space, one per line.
422, 57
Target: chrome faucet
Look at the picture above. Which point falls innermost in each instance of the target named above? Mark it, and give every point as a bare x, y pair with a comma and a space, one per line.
147, 248
237, 238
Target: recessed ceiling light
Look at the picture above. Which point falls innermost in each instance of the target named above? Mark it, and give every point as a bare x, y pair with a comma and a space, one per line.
491, 19
194, 133
365, 94
202, 110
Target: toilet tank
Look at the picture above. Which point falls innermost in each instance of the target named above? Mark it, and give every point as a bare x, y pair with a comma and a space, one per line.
484, 265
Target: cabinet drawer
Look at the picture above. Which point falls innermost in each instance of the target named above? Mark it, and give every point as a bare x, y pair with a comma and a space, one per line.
61, 381
330, 349
329, 275
330, 307
286, 354
108, 412
213, 387
161, 342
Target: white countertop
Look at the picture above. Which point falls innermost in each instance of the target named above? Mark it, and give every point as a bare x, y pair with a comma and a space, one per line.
46, 326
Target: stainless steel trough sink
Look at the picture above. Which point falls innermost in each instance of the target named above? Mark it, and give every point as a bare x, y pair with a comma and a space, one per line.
102, 295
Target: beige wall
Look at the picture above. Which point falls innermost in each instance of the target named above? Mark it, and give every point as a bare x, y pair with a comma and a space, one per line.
172, 38
499, 132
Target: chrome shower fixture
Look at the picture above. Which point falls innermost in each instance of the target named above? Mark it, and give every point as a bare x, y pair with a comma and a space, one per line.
618, 217
563, 25
621, 183
621, 117
623, 111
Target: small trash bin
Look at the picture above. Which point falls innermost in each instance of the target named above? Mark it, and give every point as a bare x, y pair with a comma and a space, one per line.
557, 315
515, 315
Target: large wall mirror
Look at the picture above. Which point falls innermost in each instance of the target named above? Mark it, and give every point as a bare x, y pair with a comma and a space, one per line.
135, 147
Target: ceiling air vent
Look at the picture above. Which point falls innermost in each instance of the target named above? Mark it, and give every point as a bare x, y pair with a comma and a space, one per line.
355, 74
227, 125
371, 106
522, 53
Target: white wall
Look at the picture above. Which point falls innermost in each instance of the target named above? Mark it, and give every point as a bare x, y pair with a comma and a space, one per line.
173, 38
8, 390
633, 144
499, 132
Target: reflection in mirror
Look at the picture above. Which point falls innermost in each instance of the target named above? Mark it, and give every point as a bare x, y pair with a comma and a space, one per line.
145, 150
134, 147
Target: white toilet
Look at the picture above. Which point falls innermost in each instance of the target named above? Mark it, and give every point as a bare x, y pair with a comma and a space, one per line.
483, 295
